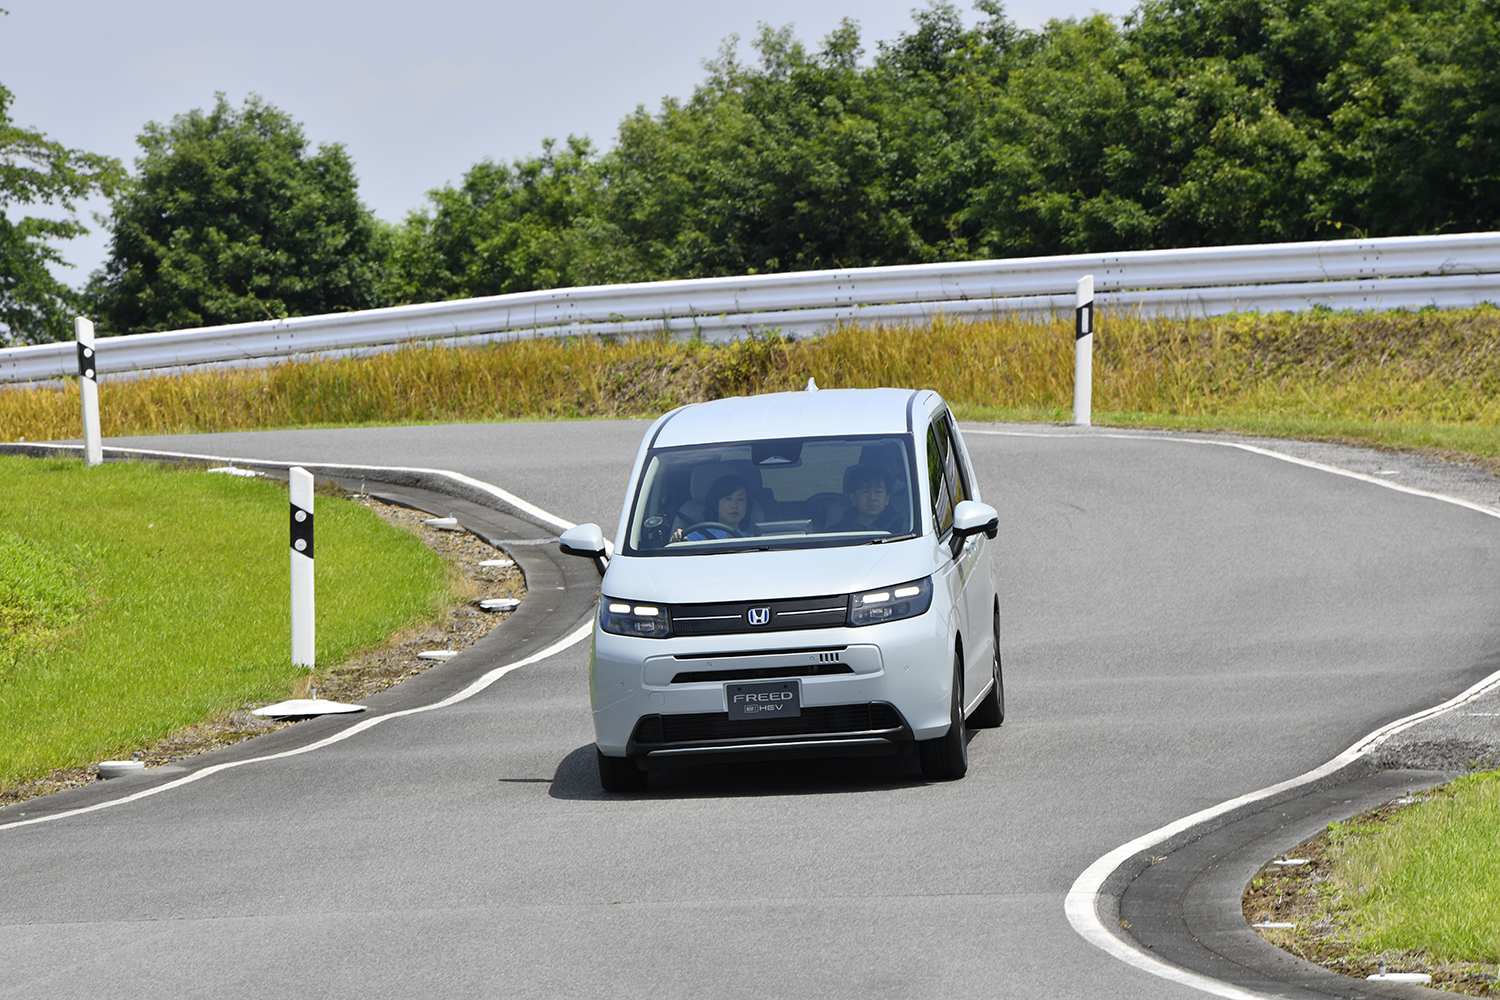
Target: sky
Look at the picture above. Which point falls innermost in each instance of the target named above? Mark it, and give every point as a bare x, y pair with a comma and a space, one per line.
417, 93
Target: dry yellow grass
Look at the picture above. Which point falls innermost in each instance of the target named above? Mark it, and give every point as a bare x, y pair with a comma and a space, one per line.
1426, 379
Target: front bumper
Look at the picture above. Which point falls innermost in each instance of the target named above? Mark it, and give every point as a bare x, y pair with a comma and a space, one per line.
865, 691
869, 730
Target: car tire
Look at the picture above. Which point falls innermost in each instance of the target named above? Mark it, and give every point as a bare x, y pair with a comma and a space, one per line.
991, 711
620, 774
947, 757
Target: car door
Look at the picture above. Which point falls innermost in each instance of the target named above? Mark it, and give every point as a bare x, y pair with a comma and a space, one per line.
978, 583
947, 486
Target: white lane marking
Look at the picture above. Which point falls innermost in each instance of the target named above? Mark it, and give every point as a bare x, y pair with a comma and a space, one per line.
458, 477
582, 632
1081, 904
1082, 901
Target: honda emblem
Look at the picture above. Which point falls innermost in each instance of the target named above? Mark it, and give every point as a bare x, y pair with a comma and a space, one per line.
758, 616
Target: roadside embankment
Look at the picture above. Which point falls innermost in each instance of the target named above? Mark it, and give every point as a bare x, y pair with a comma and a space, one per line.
1425, 380
148, 600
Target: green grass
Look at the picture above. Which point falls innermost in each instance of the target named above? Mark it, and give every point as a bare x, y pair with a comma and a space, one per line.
1428, 881
39, 594
139, 599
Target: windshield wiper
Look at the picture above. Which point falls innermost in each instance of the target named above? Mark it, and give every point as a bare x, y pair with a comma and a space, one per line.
891, 538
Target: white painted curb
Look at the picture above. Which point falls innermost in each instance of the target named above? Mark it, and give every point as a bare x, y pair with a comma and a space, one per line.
120, 768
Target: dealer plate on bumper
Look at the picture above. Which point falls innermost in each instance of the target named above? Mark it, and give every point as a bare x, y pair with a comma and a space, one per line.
764, 700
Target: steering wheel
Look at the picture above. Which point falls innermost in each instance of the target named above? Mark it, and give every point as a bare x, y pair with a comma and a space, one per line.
733, 532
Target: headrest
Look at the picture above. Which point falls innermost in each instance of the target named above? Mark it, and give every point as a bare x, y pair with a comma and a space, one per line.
706, 474
893, 483
888, 454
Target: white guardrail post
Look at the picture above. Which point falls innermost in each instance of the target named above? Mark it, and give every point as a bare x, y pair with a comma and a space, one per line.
303, 639
88, 391
1083, 351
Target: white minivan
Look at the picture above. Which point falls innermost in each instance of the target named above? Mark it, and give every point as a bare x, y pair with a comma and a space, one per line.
797, 574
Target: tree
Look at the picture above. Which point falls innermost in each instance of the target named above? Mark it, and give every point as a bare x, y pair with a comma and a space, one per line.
229, 219
34, 170
1193, 122
510, 227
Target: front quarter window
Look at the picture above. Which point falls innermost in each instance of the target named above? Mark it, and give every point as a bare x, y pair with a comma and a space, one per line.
939, 486
945, 481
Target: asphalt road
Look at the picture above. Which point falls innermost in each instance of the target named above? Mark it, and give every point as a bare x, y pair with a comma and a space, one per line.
1182, 624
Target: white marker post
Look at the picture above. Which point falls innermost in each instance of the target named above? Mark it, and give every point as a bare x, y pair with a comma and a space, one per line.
1083, 351
303, 639
88, 389
303, 645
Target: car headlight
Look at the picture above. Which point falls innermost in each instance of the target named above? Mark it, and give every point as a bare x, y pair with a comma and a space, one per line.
905, 600
633, 618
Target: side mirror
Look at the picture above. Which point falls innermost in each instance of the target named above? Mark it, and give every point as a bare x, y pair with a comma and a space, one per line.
971, 517
585, 540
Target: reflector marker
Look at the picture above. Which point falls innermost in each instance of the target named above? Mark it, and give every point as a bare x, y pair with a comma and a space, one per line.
86, 361
302, 531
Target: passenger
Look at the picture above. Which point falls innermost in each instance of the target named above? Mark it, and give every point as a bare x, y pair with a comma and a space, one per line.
869, 494
727, 503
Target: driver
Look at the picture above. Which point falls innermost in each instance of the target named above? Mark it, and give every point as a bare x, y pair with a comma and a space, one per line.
724, 507
869, 495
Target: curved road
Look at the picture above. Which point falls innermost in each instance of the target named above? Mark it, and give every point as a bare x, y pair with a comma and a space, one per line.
1183, 623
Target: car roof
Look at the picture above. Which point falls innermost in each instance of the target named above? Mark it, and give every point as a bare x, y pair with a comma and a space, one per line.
791, 414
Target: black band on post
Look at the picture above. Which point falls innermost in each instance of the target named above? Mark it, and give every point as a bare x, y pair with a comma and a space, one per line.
85, 361
302, 531
1083, 321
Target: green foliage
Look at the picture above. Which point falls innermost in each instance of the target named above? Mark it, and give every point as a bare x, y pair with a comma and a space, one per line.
34, 170
512, 227
777, 168
1194, 122
229, 219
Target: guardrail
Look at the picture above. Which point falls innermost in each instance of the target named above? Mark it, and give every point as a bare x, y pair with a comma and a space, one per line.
1377, 274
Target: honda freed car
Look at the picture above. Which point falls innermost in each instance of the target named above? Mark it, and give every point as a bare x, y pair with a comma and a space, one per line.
796, 574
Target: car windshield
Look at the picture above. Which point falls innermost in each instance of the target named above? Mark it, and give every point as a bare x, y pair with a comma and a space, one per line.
784, 493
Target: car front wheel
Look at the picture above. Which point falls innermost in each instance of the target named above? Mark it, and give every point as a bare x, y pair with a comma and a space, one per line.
947, 757
991, 710
620, 774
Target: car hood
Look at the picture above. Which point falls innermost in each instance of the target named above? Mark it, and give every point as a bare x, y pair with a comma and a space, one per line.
784, 573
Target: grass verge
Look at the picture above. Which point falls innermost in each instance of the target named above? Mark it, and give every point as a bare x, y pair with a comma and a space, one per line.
1425, 380
169, 602
1428, 880
1415, 884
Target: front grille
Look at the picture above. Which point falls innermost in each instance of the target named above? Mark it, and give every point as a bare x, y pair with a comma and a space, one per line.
734, 617
658, 730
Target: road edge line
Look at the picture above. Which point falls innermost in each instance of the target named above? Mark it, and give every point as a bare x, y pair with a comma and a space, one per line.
583, 631
1093, 888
